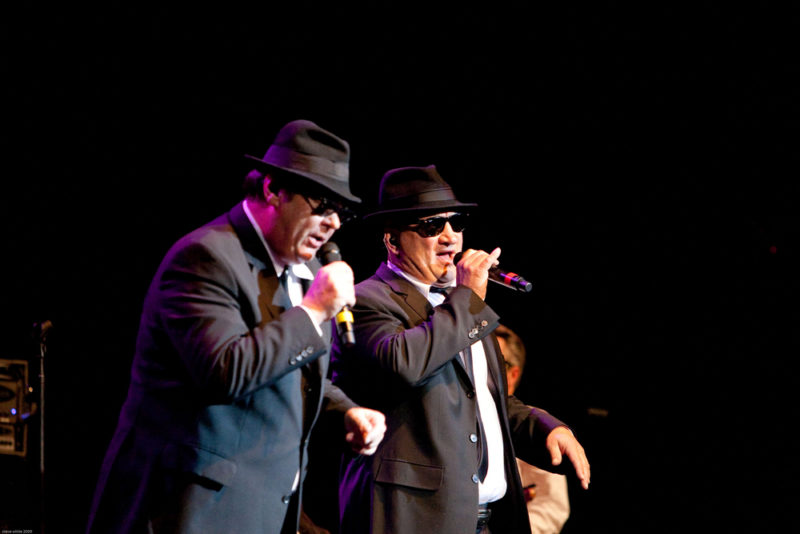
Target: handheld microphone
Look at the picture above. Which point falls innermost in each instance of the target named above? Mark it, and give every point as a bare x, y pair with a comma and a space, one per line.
505, 279
344, 319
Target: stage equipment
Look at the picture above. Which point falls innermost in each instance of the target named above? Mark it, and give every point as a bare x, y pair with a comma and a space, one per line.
15, 407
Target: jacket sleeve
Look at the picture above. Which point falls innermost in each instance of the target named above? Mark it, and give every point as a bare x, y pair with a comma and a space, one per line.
530, 427
199, 301
411, 345
335, 399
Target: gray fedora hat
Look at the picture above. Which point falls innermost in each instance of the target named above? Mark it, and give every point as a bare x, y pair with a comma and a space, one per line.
304, 149
415, 190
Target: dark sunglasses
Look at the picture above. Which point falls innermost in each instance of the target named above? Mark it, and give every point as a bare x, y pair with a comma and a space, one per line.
433, 226
326, 207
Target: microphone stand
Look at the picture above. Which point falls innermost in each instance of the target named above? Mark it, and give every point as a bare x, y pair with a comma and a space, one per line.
40, 331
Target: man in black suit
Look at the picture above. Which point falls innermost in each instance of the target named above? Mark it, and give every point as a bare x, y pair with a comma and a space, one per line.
426, 356
231, 360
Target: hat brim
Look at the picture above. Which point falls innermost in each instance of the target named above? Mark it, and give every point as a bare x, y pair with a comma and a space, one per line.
340, 189
431, 207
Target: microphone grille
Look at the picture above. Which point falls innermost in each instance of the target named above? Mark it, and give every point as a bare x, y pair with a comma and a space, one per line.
329, 253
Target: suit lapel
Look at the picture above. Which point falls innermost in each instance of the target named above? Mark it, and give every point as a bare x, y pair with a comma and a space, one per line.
260, 264
415, 300
251, 243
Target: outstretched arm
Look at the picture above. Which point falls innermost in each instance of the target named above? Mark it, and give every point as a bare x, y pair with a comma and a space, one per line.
561, 442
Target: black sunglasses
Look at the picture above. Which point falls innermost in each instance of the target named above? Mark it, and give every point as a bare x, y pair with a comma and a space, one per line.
433, 226
326, 207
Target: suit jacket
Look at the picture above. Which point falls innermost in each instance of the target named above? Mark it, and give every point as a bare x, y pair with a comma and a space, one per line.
225, 388
406, 364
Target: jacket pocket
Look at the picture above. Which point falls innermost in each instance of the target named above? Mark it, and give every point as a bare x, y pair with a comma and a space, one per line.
205, 464
400, 472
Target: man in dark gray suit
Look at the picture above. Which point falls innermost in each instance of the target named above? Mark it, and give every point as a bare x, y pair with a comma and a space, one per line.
231, 360
427, 358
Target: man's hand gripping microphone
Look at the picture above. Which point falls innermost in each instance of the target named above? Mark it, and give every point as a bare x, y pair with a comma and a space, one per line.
344, 319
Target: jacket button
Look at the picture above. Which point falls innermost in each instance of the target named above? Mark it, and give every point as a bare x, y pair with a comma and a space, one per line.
475, 479
286, 498
473, 438
470, 394
292, 361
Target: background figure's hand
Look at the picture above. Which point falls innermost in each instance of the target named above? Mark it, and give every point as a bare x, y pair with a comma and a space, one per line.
364, 429
562, 441
473, 269
331, 290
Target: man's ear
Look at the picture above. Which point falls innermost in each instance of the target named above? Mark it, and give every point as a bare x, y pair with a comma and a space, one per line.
513, 375
271, 197
390, 240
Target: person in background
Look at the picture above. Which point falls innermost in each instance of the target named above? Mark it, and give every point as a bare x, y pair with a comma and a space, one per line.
546, 493
230, 369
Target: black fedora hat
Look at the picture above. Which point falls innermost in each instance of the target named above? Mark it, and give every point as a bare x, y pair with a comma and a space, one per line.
304, 149
415, 190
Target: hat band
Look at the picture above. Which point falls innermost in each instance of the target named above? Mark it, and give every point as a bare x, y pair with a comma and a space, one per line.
426, 197
287, 158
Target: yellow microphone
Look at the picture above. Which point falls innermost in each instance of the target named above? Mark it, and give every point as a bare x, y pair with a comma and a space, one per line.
344, 319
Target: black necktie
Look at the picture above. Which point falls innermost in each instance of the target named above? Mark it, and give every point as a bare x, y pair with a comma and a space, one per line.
443, 290
483, 449
284, 281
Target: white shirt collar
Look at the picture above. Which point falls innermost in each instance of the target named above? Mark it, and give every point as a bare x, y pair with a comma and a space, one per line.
299, 270
423, 288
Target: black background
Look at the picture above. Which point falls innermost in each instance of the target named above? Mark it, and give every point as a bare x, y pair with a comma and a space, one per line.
638, 164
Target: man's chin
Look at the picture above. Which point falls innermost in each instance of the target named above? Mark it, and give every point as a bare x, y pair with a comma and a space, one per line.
303, 254
447, 276
309, 249
306, 254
